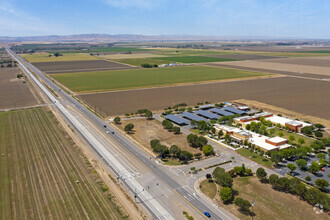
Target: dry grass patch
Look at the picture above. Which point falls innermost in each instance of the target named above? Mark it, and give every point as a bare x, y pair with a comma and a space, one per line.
146, 130
270, 204
209, 188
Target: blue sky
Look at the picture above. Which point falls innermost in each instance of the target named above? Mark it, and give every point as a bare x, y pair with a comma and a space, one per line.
273, 18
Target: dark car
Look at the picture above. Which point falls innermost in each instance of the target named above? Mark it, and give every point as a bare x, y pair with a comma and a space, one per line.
207, 214
104, 126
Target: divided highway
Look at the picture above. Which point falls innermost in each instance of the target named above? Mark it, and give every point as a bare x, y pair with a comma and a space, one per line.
155, 208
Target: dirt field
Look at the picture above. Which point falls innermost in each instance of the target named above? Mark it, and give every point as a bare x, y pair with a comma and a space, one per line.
273, 71
146, 130
43, 173
243, 56
309, 61
305, 96
14, 93
270, 204
265, 64
79, 66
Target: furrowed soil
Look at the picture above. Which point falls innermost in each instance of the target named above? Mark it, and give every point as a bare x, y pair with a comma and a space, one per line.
13, 92
146, 130
43, 173
310, 97
79, 66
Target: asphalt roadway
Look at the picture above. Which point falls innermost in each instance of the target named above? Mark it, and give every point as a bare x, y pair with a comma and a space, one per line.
156, 207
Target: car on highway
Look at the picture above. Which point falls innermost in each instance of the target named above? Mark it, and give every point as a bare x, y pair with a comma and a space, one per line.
207, 214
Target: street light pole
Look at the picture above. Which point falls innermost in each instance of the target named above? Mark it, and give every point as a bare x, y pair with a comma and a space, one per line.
253, 204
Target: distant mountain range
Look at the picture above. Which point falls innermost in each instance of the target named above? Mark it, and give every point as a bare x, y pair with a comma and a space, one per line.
135, 38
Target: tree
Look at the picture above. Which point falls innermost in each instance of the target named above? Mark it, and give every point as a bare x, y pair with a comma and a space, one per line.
167, 124
208, 176
175, 150
273, 178
243, 204
280, 133
220, 134
301, 141
301, 163
321, 183
129, 127
271, 131
148, 114
248, 127
283, 183
216, 172
293, 182
200, 142
154, 143
193, 123
307, 130
226, 194
161, 149
185, 155
291, 167
225, 180
117, 120
292, 137
321, 155
312, 195
317, 146
319, 126
191, 139
276, 157
318, 134
314, 167
308, 178
176, 130
301, 189
261, 174
207, 150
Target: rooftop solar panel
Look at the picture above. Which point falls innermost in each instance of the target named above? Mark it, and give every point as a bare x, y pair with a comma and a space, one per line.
233, 110
177, 119
192, 116
207, 114
220, 111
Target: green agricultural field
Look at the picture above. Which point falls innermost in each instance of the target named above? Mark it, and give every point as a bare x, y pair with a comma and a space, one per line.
137, 78
44, 175
193, 59
44, 57
139, 61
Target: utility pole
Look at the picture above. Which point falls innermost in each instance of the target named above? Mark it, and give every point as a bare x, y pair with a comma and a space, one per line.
135, 195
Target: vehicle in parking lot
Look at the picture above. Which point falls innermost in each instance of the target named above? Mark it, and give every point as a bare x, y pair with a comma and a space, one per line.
294, 174
207, 214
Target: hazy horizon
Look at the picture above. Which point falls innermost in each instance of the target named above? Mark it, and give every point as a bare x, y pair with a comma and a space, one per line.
240, 18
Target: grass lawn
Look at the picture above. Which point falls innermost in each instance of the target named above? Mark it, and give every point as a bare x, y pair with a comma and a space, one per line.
193, 59
44, 57
137, 78
208, 188
269, 203
255, 157
172, 162
286, 134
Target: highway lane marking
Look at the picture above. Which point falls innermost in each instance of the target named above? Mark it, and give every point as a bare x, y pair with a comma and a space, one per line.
191, 204
133, 155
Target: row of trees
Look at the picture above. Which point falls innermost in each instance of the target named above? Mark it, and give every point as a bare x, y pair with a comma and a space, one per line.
174, 151
167, 124
295, 186
147, 65
225, 180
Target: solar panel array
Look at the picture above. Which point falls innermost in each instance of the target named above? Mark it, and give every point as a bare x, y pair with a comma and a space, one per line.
221, 112
233, 110
192, 116
207, 114
176, 119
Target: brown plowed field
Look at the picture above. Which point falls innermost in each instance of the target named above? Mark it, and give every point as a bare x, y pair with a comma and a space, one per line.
254, 69
243, 56
309, 61
79, 66
309, 97
13, 92
39, 169
298, 68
